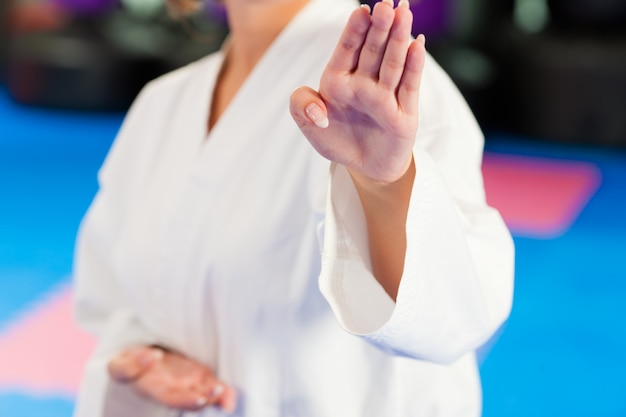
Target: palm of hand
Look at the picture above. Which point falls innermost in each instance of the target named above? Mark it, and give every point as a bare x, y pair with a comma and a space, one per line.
369, 92
368, 132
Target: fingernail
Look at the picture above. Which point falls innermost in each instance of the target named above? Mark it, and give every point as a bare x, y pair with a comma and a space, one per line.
390, 2
317, 115
366, 7
202, 401
421, 38
404, 3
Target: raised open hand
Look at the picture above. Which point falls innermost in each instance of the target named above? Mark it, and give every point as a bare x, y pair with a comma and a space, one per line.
365, 114
171, 379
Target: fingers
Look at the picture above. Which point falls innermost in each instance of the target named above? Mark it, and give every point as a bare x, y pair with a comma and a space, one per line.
373, 48
174, 394
187, 395
408, 89
307, 107
395, 54
376, 46
133, 362
228, 401
210, 389
197, 397
346, 55
211, 393
182, 383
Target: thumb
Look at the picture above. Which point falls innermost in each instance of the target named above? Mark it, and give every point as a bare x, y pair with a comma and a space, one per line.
307, 107
131, 363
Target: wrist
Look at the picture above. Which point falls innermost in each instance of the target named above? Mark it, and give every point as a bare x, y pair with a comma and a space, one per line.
399, 184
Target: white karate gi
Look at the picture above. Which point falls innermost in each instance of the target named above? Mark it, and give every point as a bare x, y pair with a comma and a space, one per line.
211, 246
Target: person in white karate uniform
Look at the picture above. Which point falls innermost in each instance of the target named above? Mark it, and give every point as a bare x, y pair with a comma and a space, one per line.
294, 226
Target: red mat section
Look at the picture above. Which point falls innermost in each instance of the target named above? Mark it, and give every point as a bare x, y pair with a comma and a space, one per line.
537, 197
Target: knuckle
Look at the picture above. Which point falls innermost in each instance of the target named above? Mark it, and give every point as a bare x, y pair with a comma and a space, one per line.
373, 47
394, 64
350, 45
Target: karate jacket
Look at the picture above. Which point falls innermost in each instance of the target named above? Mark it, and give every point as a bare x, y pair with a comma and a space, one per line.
247, 251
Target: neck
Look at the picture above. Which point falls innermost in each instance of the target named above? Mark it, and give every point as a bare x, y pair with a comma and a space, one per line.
254, 25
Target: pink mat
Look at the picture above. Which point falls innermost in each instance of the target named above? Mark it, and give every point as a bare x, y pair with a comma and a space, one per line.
538, 197
43, 352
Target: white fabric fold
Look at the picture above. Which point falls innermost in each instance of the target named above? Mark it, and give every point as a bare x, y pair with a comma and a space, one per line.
444, 309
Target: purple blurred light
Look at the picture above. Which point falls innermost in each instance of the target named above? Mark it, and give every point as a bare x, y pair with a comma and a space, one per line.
90, 7
215, 10
430, 17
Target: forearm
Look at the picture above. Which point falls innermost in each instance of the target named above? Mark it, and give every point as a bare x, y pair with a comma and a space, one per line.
386, 207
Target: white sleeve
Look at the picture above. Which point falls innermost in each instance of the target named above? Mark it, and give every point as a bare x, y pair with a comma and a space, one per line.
457, 284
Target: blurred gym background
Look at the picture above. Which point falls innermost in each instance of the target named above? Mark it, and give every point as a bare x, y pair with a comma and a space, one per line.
548, 68
545, 78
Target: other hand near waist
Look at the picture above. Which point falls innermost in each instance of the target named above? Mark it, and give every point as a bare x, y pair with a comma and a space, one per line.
171, 379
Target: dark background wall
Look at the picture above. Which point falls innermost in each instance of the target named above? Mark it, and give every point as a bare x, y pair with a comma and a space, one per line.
550, 69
